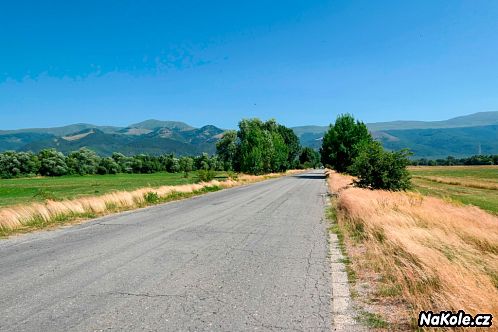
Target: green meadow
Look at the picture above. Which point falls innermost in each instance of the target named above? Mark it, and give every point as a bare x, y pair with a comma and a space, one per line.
472, 185
38, 189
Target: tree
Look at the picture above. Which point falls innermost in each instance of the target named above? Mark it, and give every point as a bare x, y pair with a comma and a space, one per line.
261, 148
292, 143
309, 158
83, 162
186, 165
108, 166
52, 163
376, 168
202, 162
125, 163
341, 141
226, 149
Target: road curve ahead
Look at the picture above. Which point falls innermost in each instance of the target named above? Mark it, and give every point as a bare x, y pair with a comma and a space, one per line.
247, 258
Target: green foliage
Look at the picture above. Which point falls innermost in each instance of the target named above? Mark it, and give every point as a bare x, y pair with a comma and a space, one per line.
309, 158
206, 175
452, 161
151, 197
108, 166
186, 165
82, 162
14, 164
341, 142
226, 149
292, 144
376, 168
52, 163
264, 147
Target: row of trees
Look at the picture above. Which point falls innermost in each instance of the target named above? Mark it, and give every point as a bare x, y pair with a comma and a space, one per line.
452, 161
50, 162
349, 147
263, 147
258, 147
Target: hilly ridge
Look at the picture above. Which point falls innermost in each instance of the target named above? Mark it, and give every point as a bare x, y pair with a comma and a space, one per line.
149, 137
459, 137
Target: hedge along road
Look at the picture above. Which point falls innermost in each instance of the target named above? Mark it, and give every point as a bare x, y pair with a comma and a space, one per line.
246, 258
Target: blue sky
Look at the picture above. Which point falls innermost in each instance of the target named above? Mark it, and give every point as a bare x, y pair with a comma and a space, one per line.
215, 62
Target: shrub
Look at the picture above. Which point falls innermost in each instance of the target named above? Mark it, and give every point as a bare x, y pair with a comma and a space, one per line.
151, 198
206, 175
376, 168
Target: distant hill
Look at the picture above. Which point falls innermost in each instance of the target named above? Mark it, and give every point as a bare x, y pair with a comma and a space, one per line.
459, 137
151, 137
472, 120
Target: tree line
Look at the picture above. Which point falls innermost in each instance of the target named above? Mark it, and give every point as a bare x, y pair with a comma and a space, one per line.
452, 161
257, 148
50, 162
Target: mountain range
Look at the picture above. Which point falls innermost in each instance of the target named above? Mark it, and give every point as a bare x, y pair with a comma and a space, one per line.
459, 137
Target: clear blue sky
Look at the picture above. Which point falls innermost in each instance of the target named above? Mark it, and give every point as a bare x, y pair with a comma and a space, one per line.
214, 62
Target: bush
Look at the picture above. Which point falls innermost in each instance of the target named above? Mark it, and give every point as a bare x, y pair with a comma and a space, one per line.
206, 175
151, 197
376, 168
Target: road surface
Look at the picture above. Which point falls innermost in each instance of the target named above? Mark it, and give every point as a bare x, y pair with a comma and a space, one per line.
247, 258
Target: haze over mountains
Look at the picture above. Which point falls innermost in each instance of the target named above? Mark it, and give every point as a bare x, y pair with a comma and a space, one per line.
459, 137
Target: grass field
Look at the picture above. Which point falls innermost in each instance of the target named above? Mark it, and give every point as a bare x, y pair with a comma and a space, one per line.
28, 190
474, 185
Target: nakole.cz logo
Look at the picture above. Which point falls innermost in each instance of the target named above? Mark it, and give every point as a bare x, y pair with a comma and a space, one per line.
451, 319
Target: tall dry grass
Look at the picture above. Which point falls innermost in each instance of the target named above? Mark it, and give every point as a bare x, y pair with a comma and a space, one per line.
471, 183
421, 252
51, 212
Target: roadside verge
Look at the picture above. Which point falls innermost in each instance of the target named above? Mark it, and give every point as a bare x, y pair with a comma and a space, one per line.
49, 214
407, 253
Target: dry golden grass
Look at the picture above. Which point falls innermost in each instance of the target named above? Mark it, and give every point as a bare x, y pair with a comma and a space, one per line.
50, 212
471, 183
420, 253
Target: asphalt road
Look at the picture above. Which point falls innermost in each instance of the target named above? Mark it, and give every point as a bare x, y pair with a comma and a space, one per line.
247, 258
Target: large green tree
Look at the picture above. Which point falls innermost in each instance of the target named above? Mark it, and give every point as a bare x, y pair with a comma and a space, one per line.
292, 143
226, 149
341, 142
263, 147
52, 163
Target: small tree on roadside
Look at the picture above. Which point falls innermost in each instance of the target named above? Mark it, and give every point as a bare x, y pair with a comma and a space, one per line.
376, 168
341, 142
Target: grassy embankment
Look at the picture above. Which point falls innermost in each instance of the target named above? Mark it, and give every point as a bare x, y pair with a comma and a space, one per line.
408, 252
34, 203
475, 185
